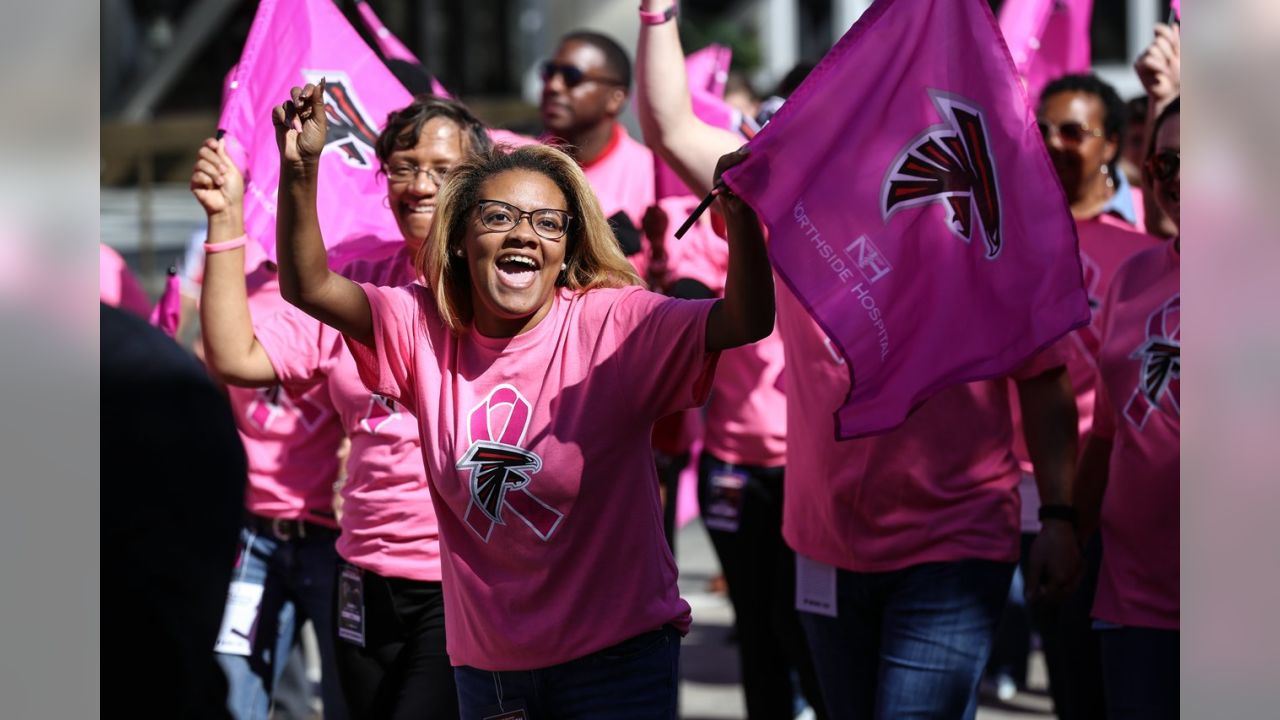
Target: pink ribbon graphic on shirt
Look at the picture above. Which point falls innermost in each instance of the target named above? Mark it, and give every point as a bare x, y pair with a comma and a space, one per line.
1161, 371
501, 469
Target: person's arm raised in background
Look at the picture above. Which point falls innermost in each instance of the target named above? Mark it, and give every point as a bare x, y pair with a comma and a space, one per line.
688, 145
230, 348
305, 278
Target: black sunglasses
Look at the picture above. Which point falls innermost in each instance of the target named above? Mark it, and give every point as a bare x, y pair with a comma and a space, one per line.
1164, 165
573, 76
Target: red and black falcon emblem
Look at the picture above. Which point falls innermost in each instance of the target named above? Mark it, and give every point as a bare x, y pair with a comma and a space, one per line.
350, 130
495, 469
950, 163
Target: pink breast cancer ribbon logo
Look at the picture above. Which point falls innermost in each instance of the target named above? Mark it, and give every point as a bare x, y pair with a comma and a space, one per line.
1159, 377
501, 469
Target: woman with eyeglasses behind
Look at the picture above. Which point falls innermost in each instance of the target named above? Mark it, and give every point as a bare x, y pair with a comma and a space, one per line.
391, 655
1082, 121
538, 368
1128, 483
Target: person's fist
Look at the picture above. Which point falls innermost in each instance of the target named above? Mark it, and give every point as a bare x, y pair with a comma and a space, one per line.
301, 125
729, 203
216, 182
1159, 67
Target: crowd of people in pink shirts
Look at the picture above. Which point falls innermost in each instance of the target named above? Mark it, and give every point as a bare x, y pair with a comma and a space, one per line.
453, 471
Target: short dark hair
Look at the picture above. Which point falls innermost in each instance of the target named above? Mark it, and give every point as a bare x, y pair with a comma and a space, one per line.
1114, 112
615, 58
404, 126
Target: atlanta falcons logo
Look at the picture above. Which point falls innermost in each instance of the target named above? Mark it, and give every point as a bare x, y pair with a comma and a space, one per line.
949, 163
495, 469
501, 470
1160, 373
351, 133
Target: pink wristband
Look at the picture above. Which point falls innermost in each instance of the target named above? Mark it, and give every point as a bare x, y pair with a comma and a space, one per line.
231, 244
657, 18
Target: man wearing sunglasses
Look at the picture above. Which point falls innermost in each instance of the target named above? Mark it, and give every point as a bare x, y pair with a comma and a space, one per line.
586, 84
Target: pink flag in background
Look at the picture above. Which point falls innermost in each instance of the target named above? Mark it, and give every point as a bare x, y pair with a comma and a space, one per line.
914, 211
291, 43
168, 310
391, 46
1047, 38
707, 70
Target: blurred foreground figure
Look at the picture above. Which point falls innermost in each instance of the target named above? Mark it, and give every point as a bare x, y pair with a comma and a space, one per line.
173, 471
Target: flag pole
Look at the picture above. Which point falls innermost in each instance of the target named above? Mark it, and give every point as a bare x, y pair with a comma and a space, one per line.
697, 212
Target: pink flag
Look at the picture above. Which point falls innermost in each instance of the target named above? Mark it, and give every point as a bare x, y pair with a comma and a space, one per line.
707, 70
168, 310
1047, 38
391, 46
291, 43
914, 211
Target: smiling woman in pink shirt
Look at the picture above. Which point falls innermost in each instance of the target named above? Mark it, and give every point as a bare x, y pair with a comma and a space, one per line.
391, 655
537, 369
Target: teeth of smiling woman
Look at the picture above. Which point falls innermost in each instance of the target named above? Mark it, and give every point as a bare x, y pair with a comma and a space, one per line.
520, 259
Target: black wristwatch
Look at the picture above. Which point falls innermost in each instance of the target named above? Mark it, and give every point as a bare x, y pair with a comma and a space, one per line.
1060, 512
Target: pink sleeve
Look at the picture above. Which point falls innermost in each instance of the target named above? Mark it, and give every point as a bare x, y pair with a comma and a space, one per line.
295, 343
387, 367
1054, 356
1104, 413
662, 350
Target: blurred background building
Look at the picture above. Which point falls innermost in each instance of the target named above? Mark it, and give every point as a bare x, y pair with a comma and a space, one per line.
163, 62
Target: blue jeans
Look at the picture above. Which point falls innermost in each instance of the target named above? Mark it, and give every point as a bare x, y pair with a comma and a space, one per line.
636, 678
911, 643
299, 583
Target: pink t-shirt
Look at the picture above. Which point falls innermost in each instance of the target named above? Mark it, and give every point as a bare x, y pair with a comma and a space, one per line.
746, 422
290, 433
940, 487
1106, 243
1138, 408
117, 286
537, 449
388, 522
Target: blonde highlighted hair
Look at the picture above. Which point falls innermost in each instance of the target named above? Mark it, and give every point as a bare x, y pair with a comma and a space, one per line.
592, 254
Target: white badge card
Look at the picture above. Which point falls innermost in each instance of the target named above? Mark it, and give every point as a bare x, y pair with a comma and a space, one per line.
724, 512
351, 605
815, 587
239, 619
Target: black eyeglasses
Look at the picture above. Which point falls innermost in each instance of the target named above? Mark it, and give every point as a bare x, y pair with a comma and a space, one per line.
498, 216
408, 172
1072, 132
573, 76
1164, 165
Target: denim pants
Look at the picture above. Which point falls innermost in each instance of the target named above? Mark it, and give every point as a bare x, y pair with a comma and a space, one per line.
910, 643
298, 578
635, 679
761, 572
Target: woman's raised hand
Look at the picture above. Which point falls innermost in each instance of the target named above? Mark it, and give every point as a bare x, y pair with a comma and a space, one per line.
216, 181
301, 126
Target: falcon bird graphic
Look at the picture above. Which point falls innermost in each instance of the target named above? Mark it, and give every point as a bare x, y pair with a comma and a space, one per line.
495, 469
950, 163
